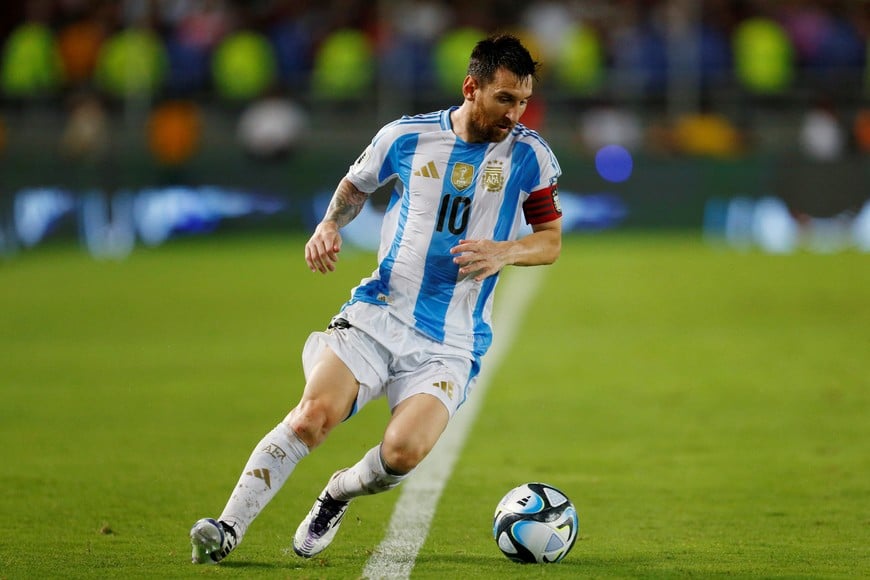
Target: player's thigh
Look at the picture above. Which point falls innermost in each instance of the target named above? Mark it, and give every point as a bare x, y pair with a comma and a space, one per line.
331, 389
414, 428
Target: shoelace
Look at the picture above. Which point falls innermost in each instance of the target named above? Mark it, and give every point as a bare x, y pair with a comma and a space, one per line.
329, 507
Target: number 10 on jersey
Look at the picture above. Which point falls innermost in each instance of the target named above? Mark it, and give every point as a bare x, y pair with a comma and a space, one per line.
453, 213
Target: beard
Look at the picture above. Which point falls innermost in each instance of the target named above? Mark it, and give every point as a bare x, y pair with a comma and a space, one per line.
482, 129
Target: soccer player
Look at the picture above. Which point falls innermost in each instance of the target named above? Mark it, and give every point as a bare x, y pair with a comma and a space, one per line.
414, 331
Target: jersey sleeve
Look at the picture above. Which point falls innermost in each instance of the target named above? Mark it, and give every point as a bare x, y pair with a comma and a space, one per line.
543, 205
374, 166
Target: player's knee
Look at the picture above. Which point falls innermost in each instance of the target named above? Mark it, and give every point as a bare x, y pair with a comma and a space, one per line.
402, 455
312, 420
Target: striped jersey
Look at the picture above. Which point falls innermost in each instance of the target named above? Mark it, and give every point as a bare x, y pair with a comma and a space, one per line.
445, 190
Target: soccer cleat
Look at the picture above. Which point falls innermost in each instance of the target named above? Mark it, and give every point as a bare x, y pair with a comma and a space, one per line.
319, 527
211, 541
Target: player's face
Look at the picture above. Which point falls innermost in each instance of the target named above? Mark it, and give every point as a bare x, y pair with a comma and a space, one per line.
497, 106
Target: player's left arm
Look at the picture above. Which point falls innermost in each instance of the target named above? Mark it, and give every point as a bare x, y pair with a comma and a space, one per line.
483, 258
541, 247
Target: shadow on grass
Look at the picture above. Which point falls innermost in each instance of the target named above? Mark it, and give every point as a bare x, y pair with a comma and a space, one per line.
579, 563
235, 564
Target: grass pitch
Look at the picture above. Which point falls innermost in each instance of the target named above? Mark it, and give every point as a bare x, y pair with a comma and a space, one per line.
707, 411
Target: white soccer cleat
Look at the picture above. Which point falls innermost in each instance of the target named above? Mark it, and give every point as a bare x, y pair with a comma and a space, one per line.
211, 541
319, 527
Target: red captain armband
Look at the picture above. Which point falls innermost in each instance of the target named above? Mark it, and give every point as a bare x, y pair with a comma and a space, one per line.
543, 206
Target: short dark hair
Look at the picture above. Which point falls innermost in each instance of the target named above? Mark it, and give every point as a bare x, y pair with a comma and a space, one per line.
501, 50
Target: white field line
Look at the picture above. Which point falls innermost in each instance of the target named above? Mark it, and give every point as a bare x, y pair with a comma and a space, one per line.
415, 508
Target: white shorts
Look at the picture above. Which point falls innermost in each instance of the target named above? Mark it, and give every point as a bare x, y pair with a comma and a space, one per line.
391, 359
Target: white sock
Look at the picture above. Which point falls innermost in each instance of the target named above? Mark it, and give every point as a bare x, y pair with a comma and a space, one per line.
269, 466
367, 477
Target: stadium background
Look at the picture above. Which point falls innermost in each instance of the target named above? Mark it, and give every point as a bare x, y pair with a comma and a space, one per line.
130, 122
706, 409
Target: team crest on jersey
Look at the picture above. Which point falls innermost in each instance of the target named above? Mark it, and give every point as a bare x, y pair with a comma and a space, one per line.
462, 176
493, 177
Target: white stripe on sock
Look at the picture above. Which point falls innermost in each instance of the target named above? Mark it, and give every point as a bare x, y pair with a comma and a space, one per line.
409, 525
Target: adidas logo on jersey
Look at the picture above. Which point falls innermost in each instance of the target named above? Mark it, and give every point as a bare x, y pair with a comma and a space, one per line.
428, 170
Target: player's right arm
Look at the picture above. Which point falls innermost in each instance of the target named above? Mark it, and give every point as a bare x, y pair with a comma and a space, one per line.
371, 170
321, 251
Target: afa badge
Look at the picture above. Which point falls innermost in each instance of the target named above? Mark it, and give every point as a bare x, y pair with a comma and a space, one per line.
493, 176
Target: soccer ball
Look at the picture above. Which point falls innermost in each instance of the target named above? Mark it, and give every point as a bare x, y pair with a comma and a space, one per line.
535, 522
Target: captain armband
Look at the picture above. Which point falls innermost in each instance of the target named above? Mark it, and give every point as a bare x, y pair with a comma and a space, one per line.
543, 205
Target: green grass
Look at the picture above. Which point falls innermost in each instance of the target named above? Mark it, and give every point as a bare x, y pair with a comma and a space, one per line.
707, 411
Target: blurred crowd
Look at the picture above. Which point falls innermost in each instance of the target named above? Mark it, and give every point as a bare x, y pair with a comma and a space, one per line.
700, 62
406, 39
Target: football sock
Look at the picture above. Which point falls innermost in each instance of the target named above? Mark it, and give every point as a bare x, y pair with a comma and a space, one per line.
269, 466
370, 475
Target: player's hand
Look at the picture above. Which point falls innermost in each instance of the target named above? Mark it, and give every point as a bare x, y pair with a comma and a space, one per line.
321, 251
479, 258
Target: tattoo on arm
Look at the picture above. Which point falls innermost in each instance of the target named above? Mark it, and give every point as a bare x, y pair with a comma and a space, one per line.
346, 203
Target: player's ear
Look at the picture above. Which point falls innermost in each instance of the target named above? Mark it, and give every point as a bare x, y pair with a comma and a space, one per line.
469, 87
